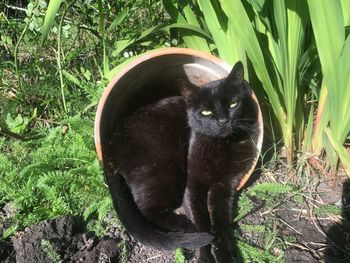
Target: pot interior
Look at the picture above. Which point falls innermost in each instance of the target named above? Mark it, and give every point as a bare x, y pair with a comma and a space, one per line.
148, 80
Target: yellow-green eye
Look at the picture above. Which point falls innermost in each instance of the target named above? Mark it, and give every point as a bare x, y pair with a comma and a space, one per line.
233, 104
207, 112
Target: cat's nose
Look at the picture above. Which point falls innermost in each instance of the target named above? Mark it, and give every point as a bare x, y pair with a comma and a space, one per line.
223, 121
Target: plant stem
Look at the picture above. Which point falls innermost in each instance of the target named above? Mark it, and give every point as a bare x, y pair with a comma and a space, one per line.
17, 46
59, 64
103, 36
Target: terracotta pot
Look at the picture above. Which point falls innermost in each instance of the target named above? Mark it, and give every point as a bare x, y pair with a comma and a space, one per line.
151, 77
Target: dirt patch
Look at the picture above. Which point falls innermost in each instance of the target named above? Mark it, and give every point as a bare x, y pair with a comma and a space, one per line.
63, 240
312, 223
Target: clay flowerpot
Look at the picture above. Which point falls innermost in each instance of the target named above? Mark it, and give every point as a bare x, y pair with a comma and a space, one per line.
153, 76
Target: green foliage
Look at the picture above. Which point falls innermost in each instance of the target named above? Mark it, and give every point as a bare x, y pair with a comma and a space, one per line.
48, 164
19, 124
272, 193
50, 18
273, 39
179, 256
245, 206
333, 45
270, 240
123, 252
271, 188
253, 254
253, 228
50, 252
58, 175
271, 245
277, 38
299, 198
328, 209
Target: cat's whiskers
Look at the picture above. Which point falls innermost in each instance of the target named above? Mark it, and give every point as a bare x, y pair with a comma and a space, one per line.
247, 126
251, 129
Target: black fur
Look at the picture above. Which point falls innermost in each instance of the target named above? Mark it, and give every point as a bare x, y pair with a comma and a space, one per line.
222, 148
190, 151
145, 168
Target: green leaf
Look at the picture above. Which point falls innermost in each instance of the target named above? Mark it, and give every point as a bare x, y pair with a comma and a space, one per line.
328, 209
341, 151
71, 78
179, 256
218, 27
239, 19
334, 54
191, 39
272, 188
51, 12
123, 44
309, 128
346, 11
17, 125
118, 20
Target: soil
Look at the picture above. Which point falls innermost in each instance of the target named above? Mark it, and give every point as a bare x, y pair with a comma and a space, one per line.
69, 243
307, 236
316, 236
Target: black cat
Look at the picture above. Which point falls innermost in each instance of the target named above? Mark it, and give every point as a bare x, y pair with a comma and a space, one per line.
201, 143
223, 119
145, 167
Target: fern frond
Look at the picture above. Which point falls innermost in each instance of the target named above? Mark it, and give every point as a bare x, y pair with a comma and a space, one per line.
254, 254
328, 209
272, 188
245, 206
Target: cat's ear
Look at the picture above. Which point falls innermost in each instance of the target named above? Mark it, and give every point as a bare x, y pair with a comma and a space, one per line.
236, 75
188, 90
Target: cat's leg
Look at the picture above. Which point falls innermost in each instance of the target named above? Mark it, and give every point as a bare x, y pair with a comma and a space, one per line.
168, 219
220, 201
196, 196
158, 201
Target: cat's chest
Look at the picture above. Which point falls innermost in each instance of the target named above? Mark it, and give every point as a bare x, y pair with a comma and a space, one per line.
218, 159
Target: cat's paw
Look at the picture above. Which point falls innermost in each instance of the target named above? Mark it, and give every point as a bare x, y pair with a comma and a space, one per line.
222, 251
206, 258
205, 255
185, 225
223, 255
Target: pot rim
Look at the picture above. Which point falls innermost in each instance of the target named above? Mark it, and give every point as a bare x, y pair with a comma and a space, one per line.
164, 52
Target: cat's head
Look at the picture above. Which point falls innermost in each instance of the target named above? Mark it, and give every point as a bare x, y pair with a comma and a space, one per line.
219, 108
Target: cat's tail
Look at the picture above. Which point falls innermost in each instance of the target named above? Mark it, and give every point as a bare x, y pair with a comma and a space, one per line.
141, 228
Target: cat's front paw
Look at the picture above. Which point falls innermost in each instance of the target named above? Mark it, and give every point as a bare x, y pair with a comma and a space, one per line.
224, 257
222, 251
205, 255
207, 258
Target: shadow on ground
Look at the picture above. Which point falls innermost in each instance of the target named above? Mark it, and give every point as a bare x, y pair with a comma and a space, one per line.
338, 236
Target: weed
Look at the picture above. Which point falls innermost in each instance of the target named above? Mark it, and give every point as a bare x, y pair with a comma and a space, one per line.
123, 251
179, 256
50, 252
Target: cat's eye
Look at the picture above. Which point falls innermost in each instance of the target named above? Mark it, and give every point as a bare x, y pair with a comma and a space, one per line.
233, 104
207, 112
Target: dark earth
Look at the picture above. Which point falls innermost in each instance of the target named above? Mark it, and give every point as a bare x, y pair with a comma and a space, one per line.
316, 237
